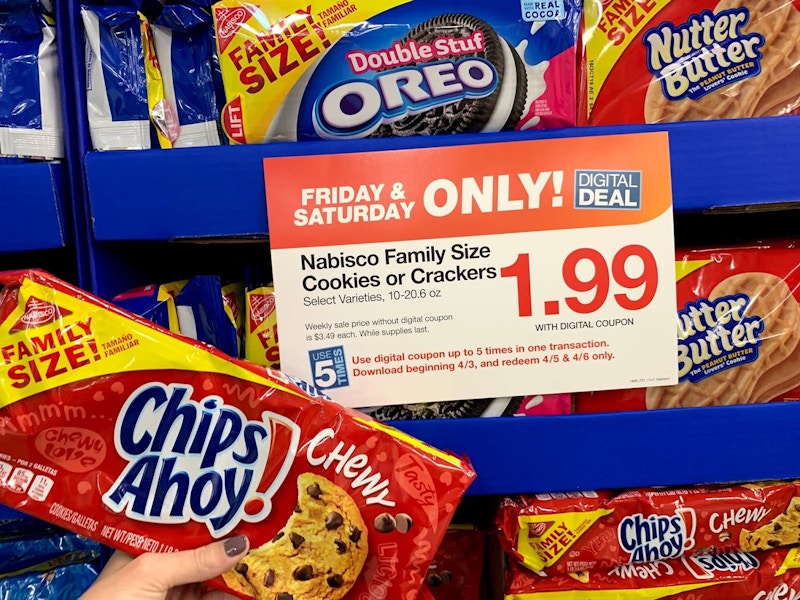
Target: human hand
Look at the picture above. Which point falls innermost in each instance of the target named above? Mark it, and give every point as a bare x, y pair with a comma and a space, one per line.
168, 576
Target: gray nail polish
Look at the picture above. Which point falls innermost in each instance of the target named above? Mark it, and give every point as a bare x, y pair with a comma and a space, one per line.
235, 546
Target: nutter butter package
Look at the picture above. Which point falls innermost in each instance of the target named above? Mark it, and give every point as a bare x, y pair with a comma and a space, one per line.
340, 69
773, 575
583, 531
658, 61
738, 327
117, 429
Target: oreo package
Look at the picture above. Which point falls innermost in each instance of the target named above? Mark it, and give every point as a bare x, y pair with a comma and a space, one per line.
22, 554
60, 583
124, 85
31, 124
183, 35
203, 315
517, 406
153, 302
349, 70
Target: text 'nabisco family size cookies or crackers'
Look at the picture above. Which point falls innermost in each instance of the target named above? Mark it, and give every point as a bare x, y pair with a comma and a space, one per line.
384, 68
738, 330
653, 61
121, 431
588, 531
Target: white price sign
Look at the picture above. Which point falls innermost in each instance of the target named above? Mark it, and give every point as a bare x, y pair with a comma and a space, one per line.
476, 271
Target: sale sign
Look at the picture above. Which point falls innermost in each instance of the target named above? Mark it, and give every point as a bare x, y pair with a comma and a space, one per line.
475, 271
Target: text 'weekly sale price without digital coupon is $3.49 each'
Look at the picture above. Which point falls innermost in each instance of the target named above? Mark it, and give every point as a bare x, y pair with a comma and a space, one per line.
476, 271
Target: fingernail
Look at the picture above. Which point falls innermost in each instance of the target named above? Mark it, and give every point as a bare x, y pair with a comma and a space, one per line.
236, 545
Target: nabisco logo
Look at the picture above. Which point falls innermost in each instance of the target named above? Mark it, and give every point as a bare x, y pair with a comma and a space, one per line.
536, 530
38, 313
261, 307
228, 22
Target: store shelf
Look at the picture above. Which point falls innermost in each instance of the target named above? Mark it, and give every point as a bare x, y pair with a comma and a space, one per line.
162, 194
622, 450
31, 204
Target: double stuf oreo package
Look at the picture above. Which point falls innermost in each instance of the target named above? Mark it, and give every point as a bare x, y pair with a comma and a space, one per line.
119, 430
391, 68
738, 330
671, 60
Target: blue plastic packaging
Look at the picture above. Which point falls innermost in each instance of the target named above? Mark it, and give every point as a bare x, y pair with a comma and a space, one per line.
62, 583
30, 99
184, 42
202, 315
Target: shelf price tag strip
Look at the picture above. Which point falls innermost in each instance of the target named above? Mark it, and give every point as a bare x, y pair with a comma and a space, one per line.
476, 271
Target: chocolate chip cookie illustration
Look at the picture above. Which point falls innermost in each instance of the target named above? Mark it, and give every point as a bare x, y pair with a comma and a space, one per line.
783, 530
318, 555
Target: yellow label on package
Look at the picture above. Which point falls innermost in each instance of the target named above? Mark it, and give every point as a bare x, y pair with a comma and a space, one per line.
261, 333
267, 47
544, 539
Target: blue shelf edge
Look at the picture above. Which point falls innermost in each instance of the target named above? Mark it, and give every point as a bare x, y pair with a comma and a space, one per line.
219, 191
31, 206
621, 450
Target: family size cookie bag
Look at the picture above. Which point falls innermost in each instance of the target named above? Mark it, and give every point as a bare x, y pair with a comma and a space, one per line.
566, 533
386, 68
738, 330
119, 430
657, 61
772, 575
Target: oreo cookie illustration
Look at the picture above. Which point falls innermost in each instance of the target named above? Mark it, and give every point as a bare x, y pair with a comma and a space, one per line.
483, 74
447, 410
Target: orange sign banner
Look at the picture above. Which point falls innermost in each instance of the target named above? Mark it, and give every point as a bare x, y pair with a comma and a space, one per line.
452, 191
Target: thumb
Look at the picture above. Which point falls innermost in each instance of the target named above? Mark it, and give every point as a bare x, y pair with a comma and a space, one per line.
200, 564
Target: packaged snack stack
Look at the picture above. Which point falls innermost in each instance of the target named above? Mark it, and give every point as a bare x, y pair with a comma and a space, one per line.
346, 70
153, 76
119, 430
706, 542
738, 330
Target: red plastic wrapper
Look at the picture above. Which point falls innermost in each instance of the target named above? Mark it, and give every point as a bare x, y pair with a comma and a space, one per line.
772, 575
116, 429
457, 568
566, 533
738, 332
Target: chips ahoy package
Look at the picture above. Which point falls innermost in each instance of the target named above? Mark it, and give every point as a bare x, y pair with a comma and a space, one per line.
119, 430
339, 69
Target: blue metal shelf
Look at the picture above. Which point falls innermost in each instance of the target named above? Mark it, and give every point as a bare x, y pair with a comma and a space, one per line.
622, 450
162, 194
31, 207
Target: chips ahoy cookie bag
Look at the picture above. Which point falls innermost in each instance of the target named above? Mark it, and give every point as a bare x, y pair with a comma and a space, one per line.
119, 430
383, 68
658, 61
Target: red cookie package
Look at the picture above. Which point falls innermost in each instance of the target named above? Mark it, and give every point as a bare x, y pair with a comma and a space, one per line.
771, 575
587, 531
147, 441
